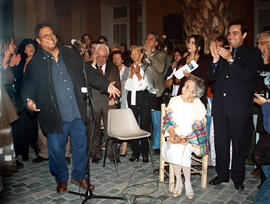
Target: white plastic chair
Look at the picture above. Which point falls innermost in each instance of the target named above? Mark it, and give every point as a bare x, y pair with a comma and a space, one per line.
122, 126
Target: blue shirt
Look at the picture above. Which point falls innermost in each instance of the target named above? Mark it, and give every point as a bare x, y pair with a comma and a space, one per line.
64, 90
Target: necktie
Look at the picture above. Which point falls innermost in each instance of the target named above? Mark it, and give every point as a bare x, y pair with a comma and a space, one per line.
100, 69
233, 53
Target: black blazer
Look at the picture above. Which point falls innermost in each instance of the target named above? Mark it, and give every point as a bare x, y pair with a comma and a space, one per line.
111, 74
234, 84
38, 86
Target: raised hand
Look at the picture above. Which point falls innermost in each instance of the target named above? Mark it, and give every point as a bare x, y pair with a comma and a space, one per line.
214, 52
15, 60
6, 59
266, 55
225, 54
260, 100
31, 105
113, 91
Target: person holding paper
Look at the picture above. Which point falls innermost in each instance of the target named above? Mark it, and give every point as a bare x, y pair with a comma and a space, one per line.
195, 47
137, 85
169, 77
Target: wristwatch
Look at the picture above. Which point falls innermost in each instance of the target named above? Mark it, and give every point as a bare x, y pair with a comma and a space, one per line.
230, 60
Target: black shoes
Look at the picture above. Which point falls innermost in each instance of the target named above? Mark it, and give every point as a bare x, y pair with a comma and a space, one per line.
25, 157
239, 186
156, 151
217, 181
112, 160
95, 160
38, 159
145, 160
133, 158
19, 164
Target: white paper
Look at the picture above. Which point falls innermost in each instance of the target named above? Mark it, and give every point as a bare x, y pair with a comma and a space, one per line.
133, 97
179, 74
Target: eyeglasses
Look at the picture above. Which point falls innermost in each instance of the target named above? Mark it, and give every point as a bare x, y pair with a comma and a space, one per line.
48, 36
103, 57
261, 43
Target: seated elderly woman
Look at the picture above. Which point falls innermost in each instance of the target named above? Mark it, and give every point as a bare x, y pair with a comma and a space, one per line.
184, 121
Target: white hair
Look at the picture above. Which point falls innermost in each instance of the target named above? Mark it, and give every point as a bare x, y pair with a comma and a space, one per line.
103, 46
265, 34
199, 86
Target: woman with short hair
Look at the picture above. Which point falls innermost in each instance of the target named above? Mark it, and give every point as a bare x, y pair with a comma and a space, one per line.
185, 117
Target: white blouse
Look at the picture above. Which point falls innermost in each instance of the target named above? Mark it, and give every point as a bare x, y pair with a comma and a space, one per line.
135, 84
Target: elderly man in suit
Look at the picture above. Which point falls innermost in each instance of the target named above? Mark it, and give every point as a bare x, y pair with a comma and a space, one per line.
234, 72
103, 102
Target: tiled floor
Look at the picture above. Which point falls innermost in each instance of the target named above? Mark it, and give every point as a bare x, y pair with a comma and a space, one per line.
137, 183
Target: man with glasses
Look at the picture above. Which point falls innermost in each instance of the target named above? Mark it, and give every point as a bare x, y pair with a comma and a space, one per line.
52, 86
262, 86
157, 60
103, 102
263, 43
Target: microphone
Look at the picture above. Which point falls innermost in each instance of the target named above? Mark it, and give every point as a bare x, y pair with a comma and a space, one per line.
76, 43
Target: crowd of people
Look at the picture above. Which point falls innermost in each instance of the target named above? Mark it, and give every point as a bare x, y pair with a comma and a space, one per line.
42, 96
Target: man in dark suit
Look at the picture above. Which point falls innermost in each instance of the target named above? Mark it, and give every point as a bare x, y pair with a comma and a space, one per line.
52, 87
234, 72
103, 102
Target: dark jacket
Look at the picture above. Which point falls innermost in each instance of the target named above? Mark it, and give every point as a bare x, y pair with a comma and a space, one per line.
38, 86
234, 84
111, 74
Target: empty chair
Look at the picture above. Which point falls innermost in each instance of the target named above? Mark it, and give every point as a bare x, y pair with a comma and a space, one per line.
122, 126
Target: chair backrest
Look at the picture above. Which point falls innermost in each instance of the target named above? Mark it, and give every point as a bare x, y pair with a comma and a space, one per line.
163, 112
121, 121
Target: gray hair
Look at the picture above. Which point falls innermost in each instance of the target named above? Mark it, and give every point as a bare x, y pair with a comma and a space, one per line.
267, 34
199, 86
103, 46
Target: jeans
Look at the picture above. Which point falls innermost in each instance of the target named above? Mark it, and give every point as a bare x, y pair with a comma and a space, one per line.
156, 118
57, 150
263, 194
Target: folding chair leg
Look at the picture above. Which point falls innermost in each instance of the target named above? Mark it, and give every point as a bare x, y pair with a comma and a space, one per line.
105, 153
114, 159
151, 153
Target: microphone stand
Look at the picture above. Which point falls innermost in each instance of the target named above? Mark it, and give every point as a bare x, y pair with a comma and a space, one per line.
89, 193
